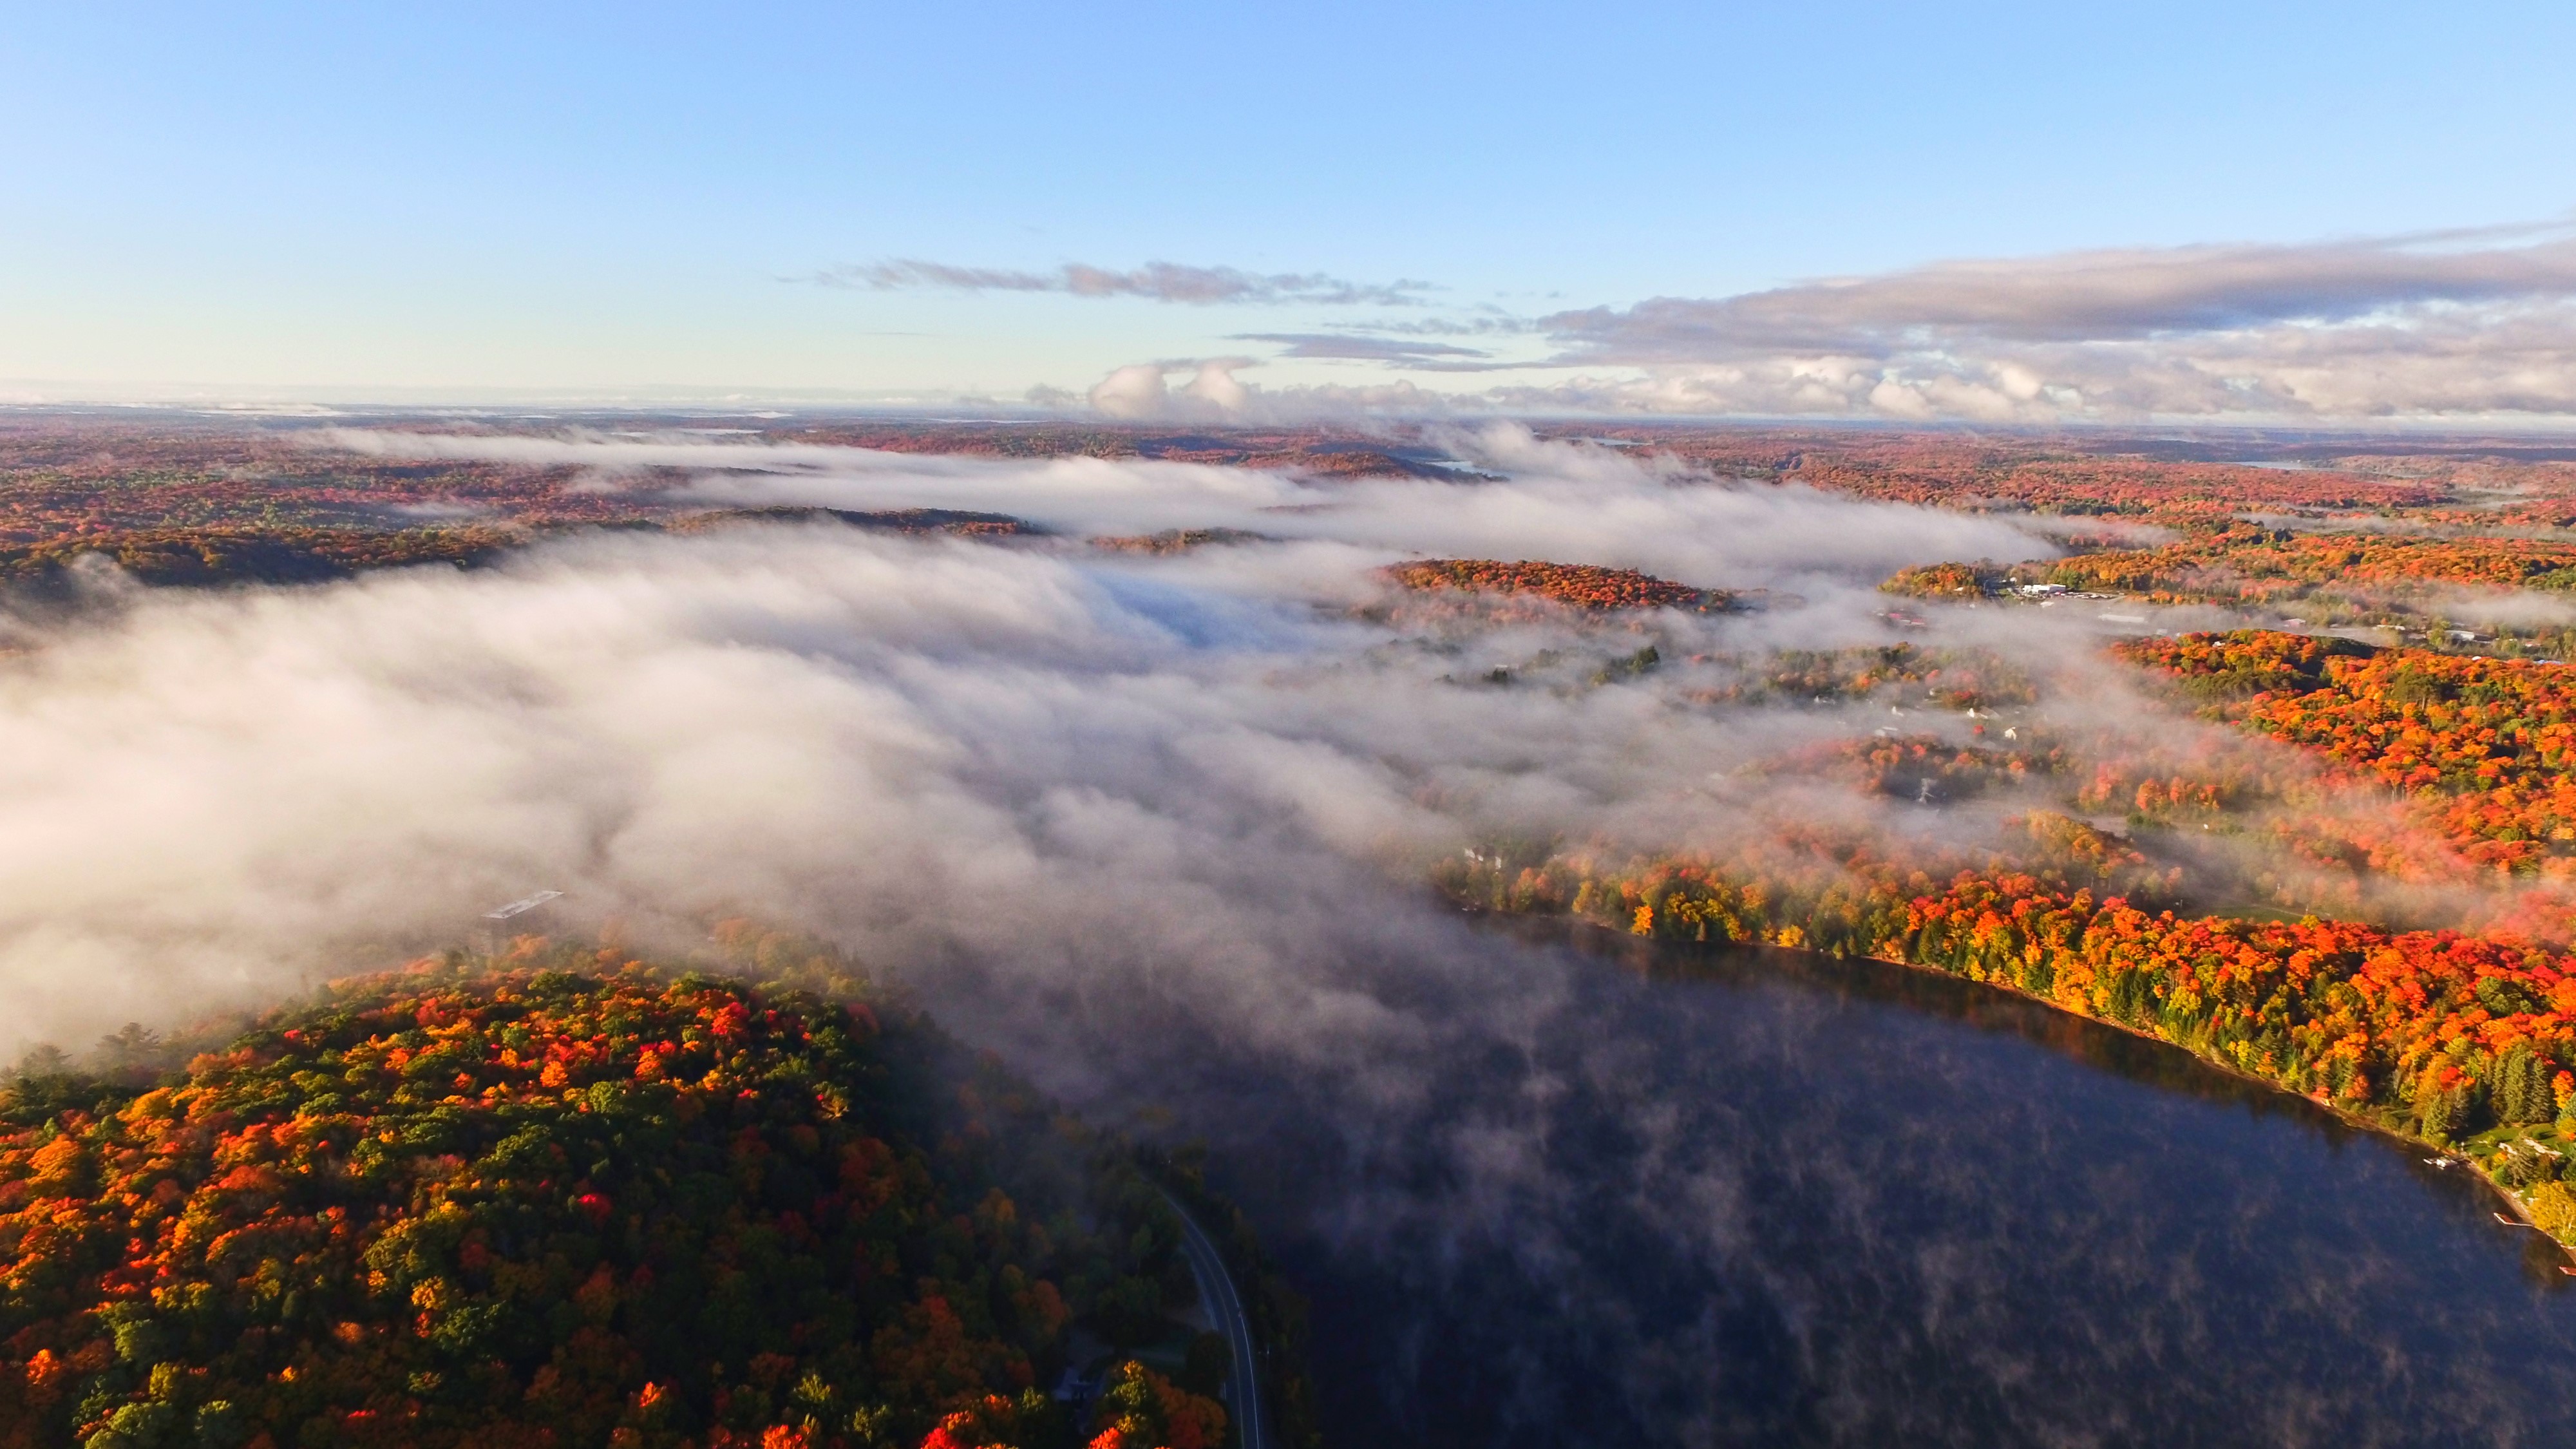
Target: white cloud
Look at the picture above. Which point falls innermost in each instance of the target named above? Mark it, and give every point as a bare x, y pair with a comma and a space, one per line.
2078, 297
1135, 391
2461, 326
2360, 329
1138, 393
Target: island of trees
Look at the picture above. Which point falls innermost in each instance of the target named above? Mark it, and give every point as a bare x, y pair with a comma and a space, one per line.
1578, 586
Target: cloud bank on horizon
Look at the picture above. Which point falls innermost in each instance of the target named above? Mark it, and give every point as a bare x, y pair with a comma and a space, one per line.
2474, 325
2359, 329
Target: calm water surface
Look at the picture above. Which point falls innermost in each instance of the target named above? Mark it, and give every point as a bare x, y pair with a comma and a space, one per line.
1546, 1190
1762, 1198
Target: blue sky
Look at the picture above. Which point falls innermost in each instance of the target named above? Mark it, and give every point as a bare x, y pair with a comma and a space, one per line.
469, 197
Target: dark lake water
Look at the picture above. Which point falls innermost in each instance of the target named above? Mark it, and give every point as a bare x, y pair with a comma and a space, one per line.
1552, 1190
1781, 1200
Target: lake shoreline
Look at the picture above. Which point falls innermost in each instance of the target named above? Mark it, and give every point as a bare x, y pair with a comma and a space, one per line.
1601, 934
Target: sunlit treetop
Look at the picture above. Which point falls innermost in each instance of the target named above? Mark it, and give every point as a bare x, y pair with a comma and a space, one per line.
1581, 586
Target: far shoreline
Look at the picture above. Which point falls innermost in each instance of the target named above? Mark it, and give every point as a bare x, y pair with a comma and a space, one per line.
1594, 934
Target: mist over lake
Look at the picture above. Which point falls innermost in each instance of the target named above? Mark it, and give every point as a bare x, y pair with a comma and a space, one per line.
1681, 1196
1030, 726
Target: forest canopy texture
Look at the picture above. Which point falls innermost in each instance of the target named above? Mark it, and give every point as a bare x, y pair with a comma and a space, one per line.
595, 1206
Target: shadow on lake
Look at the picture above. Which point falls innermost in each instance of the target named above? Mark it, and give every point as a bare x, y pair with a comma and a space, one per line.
1753, 1196
1986, 1008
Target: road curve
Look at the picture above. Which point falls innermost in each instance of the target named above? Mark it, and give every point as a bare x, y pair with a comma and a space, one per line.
1216, 1289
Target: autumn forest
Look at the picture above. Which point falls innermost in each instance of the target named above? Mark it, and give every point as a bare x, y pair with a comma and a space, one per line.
2262, 748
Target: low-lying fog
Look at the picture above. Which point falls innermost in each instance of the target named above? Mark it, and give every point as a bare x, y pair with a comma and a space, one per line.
1154, 827
1030, 750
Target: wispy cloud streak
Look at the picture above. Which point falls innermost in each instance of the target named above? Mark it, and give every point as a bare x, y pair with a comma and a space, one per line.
1154, 282
1354, 347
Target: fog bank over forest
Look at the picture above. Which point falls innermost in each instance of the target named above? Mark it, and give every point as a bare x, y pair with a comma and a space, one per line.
1210, 779
907, 743
1157, 828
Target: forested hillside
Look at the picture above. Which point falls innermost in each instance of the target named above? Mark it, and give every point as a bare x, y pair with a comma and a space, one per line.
577, 1201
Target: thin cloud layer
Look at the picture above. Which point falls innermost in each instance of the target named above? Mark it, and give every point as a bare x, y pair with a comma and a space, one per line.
2095, 296
2361, 329
2469, 325
1354, 347
2464, 325
1154, 282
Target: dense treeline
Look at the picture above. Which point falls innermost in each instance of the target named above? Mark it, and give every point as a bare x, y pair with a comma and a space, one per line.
214, 504
1177, 540
2053, 476
2460, 1039
2483, 747
2405, 540
1949, 581
2254, 564
287, 554
561, 1207
958, 522
1581, 586
203, 506
86, 479
224, 555
1949, 678
2334, 576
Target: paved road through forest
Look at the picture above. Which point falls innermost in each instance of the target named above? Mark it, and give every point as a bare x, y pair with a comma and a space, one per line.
1216, 1289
